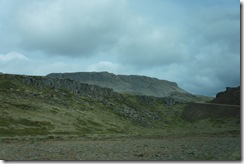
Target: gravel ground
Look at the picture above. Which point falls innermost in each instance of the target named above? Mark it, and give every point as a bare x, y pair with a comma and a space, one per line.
181, 148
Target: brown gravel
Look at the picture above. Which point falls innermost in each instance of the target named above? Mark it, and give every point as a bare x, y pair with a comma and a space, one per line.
182, 148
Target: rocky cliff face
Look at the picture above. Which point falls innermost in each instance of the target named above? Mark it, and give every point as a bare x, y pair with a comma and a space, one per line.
230, 96
49, 91
173, 93
66, 84
131, 84
82, 88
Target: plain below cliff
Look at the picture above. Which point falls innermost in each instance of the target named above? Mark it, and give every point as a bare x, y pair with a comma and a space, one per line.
133, 84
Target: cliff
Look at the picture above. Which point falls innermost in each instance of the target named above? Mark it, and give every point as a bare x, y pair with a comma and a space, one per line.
132, 84
65, 84
230, 96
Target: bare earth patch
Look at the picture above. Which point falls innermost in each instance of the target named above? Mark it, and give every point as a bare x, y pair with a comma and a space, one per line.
179, 148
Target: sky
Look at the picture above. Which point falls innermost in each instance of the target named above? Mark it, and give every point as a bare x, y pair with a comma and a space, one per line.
195, 43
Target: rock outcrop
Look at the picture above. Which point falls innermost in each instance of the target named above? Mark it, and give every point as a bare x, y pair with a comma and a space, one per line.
82, 88
230, 96
132, 84
151, 100
66, 84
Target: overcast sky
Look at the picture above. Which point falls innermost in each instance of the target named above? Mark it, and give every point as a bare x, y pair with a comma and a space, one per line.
195, 43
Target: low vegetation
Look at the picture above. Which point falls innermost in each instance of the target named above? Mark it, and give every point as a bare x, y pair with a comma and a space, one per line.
32, 110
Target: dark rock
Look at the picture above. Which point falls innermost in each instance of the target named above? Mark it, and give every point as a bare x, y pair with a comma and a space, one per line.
230, 96
131, 84
149, 100
63, 84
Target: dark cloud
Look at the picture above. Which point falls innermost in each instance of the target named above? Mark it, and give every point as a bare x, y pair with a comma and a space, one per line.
195, 43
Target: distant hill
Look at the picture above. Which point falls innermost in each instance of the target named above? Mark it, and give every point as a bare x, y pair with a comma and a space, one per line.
51, 107
230, 96
132, 84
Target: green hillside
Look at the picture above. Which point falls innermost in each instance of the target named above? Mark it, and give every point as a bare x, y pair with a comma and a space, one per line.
40, 106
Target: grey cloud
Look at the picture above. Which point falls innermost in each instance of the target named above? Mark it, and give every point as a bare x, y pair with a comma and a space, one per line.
206, 76
62, 27
197, 46
207, 30
85, 28
218, 25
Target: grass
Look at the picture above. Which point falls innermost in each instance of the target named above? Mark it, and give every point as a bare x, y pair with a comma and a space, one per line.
6, 85
21, 127
30, 110
23, 132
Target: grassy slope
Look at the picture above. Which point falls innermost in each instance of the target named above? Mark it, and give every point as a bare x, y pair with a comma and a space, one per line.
27, 110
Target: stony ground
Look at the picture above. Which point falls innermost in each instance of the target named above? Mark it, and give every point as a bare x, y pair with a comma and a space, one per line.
175, 148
